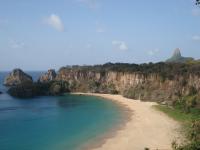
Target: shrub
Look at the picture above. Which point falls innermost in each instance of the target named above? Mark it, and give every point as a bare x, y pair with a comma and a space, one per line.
186, 103
192, 90
194, 137
194, 133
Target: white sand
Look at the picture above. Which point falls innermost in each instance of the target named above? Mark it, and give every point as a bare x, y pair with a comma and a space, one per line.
146, 128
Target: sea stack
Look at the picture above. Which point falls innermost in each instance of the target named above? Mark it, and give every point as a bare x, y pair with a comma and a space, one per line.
50, 75
16, 77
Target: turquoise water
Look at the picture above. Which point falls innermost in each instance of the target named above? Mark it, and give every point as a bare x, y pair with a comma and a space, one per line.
54, 123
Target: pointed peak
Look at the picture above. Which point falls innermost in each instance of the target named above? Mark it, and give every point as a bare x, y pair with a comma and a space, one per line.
176, 57
177, 53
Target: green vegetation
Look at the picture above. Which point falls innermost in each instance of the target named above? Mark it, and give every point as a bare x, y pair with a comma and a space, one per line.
186, 110
29, 90
165, 70
180, 115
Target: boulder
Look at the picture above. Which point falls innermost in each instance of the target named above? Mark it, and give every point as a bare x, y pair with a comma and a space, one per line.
16, 77
48, 76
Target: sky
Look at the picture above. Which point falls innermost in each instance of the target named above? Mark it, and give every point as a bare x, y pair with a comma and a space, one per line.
43, 34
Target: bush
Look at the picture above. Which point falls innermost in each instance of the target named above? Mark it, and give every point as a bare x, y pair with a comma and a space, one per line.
186, 103
192, 90
194, 137
194, 133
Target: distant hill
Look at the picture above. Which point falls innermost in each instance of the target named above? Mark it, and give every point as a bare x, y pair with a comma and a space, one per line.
176, 57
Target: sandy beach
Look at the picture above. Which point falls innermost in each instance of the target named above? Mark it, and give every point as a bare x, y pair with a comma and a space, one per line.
146, 127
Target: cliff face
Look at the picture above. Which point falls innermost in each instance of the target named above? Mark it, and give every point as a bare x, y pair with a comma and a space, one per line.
136, 85
50, 75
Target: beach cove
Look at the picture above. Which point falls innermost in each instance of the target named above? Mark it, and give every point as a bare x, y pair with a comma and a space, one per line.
146, 128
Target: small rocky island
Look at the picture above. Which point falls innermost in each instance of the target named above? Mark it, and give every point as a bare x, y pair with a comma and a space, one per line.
22, 86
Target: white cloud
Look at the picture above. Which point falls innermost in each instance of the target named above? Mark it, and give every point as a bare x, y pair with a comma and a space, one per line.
196, 12
153, 52
16, 44
55, 22
93, 4
196, 38
121, 45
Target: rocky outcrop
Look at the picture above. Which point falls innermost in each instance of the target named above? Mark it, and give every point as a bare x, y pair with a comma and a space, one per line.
48, 76
176, 57
16, 77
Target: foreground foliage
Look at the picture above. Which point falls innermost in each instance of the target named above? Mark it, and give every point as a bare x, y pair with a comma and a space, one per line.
184, 110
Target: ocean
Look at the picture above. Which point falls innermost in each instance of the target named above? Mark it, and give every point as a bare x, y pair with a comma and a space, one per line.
65, 122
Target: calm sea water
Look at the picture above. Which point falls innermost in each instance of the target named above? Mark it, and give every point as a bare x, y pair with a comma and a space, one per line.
54, 123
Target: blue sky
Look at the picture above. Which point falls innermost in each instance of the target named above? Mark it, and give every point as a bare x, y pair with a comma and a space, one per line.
37, 35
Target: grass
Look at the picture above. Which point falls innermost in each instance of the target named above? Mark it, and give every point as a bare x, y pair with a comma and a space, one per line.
190, 125
179, 115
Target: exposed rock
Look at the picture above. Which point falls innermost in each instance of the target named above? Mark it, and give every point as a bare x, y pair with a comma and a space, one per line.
176, 57
16, 77
0, 92
48, 76
177, 53
160, 84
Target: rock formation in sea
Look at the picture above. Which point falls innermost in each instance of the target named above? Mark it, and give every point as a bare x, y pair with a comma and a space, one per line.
176, 57
16, 77
50, 75
22, 85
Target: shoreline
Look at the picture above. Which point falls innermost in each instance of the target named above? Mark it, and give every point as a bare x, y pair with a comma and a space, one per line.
143, 127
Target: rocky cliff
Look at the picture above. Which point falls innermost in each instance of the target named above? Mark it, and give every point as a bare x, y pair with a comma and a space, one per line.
153, 85
50, 75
